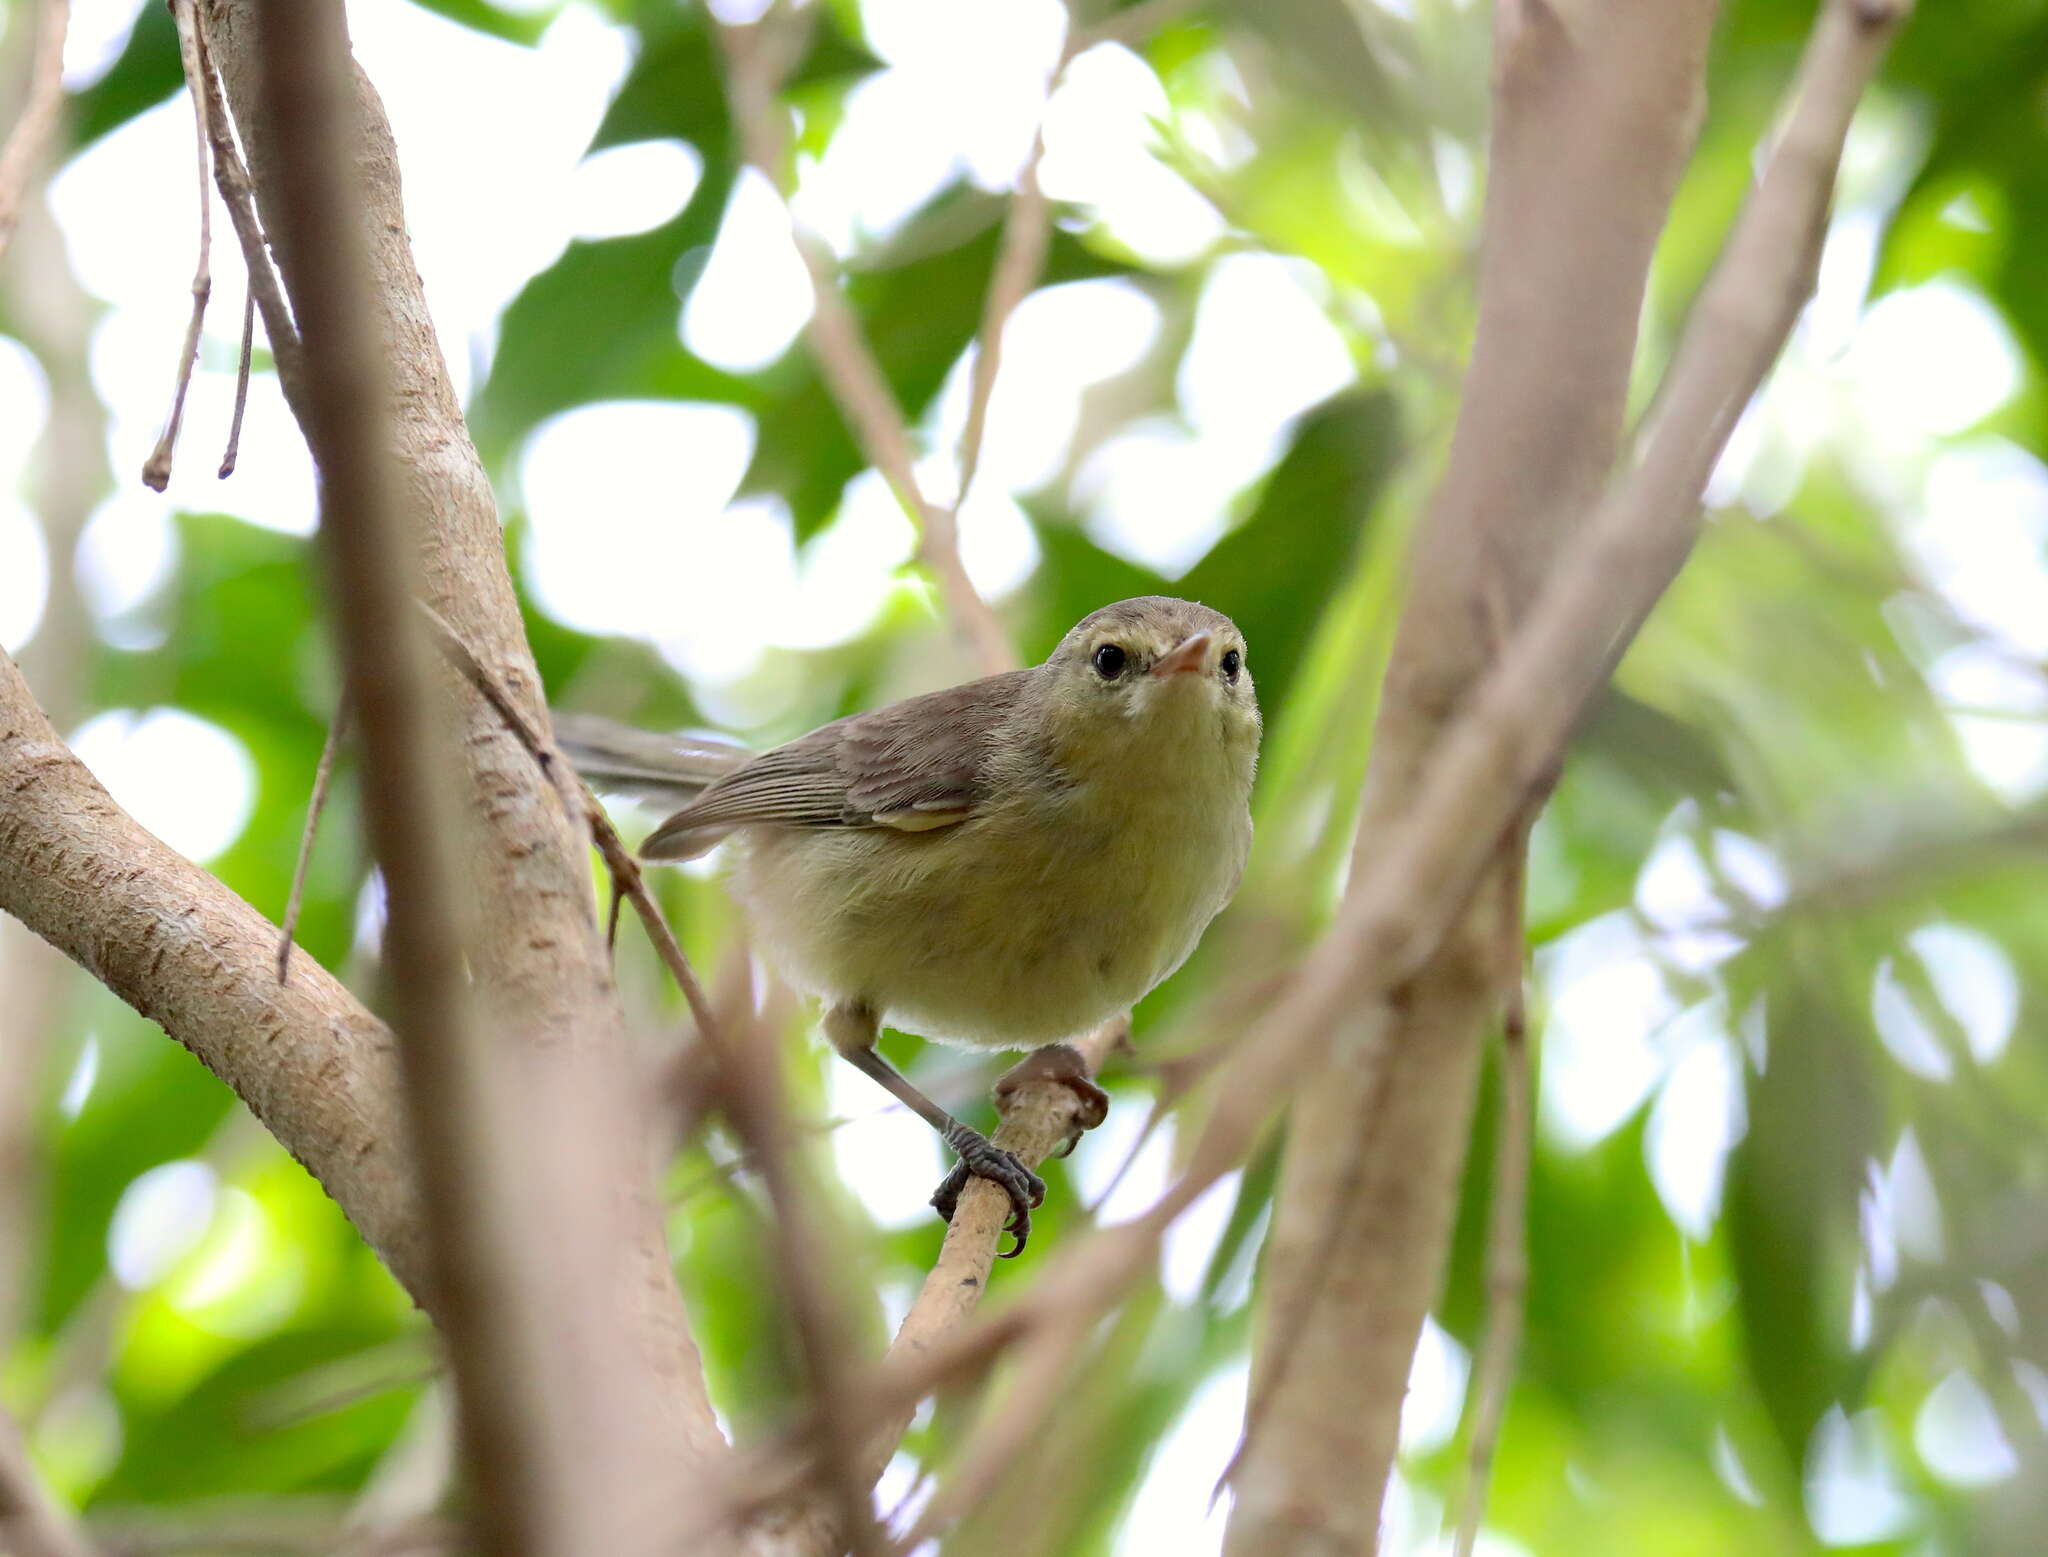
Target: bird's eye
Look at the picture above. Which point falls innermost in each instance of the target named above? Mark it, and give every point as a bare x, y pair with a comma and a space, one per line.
1231, 661
1109, 661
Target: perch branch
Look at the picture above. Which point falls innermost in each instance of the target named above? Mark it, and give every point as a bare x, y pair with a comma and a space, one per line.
1038, 1117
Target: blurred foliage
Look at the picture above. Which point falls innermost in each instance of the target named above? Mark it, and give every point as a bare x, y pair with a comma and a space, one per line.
1859, 943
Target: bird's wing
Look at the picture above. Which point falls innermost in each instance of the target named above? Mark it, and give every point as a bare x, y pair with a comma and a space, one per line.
912, 766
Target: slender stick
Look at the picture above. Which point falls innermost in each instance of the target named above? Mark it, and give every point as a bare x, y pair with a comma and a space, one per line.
759, 57
233, 450
1038, 1117
238, 194
337, 729
156, 470
628, 879
750, 1093
1507, 1272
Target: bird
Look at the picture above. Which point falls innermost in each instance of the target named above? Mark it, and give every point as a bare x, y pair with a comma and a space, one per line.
1002, 864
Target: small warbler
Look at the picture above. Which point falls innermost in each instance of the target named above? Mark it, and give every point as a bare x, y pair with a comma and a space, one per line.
1000, 865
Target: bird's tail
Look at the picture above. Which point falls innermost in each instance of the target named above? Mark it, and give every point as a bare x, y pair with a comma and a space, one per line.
666, 770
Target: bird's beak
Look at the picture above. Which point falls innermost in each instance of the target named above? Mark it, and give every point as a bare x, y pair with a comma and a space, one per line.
1188, 654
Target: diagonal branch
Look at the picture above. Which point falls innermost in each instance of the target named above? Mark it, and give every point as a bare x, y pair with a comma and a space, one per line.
759, 57
1406, 893
1039, 1117
1402, 1141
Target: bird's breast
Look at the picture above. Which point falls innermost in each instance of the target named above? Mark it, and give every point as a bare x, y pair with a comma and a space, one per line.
1027, 923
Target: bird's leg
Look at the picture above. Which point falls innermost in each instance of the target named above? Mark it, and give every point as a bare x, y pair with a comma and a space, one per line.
852, 1030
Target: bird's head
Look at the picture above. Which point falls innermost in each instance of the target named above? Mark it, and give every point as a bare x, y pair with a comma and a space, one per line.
1155, 676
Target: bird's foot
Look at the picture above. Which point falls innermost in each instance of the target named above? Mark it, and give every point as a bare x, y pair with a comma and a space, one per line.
1062, 1063
981, 1158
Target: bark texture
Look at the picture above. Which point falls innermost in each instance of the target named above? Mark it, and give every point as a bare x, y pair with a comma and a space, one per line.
538, 953
583, 1390
1596, 104
310, 1061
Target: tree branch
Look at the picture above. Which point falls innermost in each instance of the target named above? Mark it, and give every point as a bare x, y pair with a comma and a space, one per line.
1407, 892
41, 105
1605, 109
312, 1064
492, 1303
1038, 1117
581, 1389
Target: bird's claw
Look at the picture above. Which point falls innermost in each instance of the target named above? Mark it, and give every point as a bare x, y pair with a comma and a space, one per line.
980, 1158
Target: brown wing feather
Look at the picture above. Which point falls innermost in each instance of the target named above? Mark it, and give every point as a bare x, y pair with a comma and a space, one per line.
916, 764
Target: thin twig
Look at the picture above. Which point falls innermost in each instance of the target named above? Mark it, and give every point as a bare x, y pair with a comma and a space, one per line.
626, 874
41, 105
337, 729
1027, 231
1487, 762
1507, 1271
33, 1523
615, 899
568, 788
750, 1093
156, 470
233, 450
238, 194
759, 57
